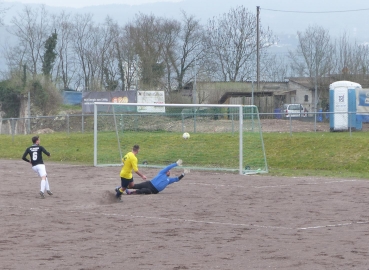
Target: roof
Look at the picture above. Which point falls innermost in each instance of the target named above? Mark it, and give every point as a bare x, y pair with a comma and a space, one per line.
243, 94
344, 84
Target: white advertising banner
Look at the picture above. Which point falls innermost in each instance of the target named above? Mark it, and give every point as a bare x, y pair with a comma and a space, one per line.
152, 97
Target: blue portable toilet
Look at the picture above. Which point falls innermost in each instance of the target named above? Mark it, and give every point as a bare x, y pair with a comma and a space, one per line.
342, 108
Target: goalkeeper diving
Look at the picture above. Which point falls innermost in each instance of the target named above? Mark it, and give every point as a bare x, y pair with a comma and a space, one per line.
158, 183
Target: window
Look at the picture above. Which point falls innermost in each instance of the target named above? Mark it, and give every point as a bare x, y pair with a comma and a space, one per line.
306, 98
295, 107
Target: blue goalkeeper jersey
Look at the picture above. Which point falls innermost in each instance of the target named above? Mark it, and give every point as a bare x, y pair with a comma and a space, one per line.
161, 180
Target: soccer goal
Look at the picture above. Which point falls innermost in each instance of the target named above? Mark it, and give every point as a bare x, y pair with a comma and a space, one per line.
222, 137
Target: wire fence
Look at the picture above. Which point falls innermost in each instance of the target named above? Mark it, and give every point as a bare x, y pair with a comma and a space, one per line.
270, 122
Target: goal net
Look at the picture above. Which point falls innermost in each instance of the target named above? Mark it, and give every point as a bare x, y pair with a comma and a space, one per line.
222, 137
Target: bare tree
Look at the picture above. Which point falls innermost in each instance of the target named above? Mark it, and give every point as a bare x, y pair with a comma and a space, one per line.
352, 58
105, 55
344, 55
171, 30
361, 59
149, 40
274, 68
32, 29
82, 42
231, 44
313, 57
110, 68
2, 13
128, 59
314, 53
15, 57
65, 67
189, 50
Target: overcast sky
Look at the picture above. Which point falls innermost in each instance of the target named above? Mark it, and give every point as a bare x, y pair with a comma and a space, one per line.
284, 17
85, 3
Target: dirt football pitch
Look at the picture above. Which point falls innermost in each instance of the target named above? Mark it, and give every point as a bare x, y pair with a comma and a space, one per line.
208, 220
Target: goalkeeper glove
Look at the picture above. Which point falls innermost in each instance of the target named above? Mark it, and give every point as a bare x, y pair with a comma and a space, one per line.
179, 162
181, 176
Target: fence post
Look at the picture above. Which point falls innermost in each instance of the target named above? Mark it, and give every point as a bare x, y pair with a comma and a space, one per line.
136, 122
12, 128
68, 124
183, 126
349, 122
290, 124
194, 120
83, 123
232, 123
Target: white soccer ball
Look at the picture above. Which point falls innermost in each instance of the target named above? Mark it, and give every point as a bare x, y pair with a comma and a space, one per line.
186, 135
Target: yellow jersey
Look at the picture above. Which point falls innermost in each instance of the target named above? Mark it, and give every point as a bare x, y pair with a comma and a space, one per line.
129, 163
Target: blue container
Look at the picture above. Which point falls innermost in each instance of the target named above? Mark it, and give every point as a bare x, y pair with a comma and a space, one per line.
320, 116
72, 97
277, 113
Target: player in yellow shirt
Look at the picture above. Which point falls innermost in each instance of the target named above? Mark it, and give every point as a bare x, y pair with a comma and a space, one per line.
129, 163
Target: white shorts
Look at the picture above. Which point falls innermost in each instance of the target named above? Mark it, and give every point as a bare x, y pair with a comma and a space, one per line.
40, 169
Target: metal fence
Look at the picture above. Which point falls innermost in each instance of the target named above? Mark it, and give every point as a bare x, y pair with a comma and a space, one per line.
47, 124
81, 123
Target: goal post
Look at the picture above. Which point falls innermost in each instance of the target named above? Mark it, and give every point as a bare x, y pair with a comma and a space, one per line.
223, 137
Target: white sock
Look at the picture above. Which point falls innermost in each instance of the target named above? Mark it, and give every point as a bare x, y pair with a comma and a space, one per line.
47, 184
43, 184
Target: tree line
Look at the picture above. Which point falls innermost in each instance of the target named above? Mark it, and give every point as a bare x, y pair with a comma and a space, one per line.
152, 52
149, 52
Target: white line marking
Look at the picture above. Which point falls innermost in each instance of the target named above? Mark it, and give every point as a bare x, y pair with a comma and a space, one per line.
200, 221
189, 220
334, 225
277, 186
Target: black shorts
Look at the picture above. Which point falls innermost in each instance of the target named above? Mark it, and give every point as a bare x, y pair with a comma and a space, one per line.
145, 188
124, 182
